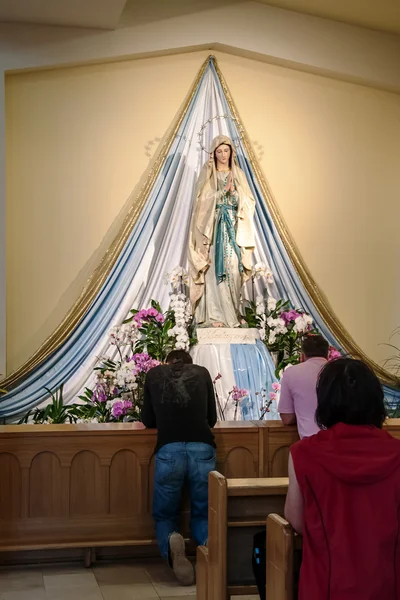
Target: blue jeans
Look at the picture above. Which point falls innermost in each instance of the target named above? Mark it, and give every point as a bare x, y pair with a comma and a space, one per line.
176, 463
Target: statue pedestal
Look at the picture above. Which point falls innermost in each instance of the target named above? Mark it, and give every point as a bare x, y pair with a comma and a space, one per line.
223, 335
242, 360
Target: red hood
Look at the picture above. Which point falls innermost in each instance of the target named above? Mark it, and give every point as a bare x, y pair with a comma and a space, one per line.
356, 454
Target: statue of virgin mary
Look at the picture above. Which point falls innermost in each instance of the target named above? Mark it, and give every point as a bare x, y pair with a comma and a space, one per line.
221, 238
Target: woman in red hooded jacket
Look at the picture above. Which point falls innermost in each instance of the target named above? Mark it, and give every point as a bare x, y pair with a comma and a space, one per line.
344, 491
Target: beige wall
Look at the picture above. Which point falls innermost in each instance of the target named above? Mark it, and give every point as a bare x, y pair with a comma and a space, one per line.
76, 148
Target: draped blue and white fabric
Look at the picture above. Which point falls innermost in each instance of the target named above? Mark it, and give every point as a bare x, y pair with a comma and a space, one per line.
156, 245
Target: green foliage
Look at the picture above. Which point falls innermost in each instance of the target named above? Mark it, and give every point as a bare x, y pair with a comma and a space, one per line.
55, 412
155, 339
287, 346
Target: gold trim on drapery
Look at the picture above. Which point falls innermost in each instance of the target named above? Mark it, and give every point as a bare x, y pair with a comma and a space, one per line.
99, 276
318, 298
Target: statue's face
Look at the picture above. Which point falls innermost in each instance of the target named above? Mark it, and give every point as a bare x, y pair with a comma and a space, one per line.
222, 154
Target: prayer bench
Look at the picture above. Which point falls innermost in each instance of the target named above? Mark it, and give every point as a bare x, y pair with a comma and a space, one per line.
237, 510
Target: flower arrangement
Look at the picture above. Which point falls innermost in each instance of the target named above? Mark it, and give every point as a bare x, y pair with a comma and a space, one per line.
282, 328
118, 391
236, 395
142, 342
182, 313
267, 400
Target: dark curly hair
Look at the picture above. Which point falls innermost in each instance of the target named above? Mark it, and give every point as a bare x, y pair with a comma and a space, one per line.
348, 391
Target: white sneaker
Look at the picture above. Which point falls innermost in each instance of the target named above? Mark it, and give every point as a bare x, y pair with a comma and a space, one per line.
181, 566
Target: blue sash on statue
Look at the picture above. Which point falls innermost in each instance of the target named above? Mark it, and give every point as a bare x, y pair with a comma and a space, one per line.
224, 219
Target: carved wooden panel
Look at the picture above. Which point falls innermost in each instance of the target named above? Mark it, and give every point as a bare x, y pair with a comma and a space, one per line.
239, 463
280, 462
10, 487
125, 484
45, 497
89, 490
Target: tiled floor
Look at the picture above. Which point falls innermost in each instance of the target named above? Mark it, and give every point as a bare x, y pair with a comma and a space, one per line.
128, 581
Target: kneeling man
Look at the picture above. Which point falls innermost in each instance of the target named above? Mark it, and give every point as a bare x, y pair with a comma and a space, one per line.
179, 401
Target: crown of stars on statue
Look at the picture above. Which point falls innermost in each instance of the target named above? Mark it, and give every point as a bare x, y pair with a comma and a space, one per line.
236, 141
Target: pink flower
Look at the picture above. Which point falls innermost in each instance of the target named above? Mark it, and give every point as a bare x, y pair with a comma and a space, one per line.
238, 394
272, 396
120, 408
146, 314
100, 392
144, 362
276, 387
290, 315
333, 353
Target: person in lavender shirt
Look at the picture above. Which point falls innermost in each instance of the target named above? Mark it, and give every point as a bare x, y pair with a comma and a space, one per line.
298, 397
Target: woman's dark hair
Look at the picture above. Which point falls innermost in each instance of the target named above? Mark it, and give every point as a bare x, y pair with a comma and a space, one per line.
179, 356
348, 391
230, 156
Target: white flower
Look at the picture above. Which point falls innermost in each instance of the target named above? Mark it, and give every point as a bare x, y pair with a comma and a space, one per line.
280, 326
261, 270
258, 269
260, 305
179, 330
180, 346
277, 324
261, 332
116, 336
271, 303
272, 337
126, 374
308, 319
108, 374
177, 276
300, 325
183, 337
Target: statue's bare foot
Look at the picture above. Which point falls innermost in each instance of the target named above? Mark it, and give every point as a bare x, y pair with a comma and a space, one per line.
216, 324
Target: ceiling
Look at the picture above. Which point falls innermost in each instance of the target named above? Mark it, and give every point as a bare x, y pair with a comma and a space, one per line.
100, 14
383, 15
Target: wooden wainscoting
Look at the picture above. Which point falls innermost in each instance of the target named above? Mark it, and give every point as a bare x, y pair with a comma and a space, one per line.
91, 485
86, 486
